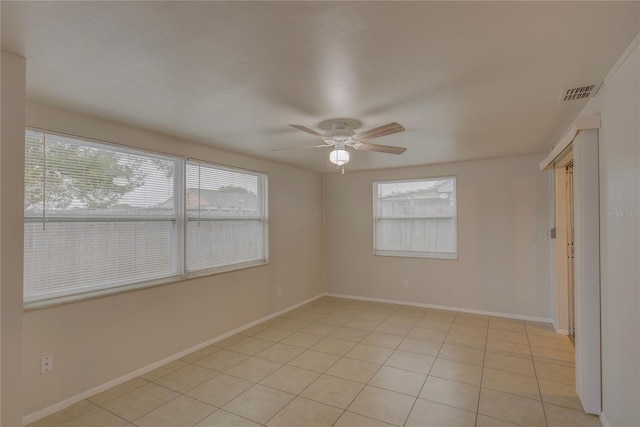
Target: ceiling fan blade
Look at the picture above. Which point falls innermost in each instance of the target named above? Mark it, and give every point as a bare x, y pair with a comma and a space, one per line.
301, 148
387, 129
307, 130
380, 148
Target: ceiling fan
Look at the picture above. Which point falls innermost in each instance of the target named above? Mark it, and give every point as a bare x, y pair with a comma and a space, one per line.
339, 134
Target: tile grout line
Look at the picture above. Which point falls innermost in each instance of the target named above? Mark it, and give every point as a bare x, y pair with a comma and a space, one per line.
484, 357
428, 373
383, 364
405, 337
299, 316
367, 383
324, 373
535, 371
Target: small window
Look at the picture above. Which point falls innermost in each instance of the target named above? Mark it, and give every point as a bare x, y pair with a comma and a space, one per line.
415, 218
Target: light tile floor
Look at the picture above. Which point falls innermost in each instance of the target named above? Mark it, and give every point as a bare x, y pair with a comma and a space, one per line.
337, 362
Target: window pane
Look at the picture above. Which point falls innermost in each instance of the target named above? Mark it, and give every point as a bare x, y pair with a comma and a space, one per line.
416, 218
99, 216
416, 235
96, 216
216, 200
80, 256
215, 244
83, 178
215, 192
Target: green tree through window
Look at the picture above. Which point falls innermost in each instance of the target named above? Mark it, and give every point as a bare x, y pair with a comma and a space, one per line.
93, 177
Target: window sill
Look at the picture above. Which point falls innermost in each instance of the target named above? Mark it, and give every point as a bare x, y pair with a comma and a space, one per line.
405, 254
69, 299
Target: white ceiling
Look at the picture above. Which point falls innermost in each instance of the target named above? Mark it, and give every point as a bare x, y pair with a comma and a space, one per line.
467, 80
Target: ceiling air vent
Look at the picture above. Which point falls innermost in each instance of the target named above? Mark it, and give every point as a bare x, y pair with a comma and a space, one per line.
579, 92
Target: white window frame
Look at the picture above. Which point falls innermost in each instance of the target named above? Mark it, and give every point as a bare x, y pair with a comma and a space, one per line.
262, 201
408, 253
180, 219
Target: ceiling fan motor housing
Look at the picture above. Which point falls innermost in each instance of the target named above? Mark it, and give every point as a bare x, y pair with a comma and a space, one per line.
339, 132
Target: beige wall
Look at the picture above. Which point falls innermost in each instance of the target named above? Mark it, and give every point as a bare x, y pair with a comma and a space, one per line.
503, 266
11, 214
504, 215
99, 340
618, 102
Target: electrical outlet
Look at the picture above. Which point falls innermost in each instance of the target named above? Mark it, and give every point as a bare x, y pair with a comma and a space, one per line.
279, 290
405, 283
46, 363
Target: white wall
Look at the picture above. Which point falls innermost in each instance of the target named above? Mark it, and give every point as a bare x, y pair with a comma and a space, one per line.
11, 217
618, 102
504, 215
101, 339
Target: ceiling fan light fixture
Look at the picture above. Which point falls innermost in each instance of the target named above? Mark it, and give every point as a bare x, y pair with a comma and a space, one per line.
339, 135
339, 156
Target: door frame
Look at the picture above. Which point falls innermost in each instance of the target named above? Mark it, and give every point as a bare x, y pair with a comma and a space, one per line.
583, 153
562, 254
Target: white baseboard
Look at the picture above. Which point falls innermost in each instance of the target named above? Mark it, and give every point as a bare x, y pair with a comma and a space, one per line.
34, 416
603, 419
559, 331
445, 307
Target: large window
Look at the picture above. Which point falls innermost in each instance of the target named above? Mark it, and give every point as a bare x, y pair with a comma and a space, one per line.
415, 218
101, 217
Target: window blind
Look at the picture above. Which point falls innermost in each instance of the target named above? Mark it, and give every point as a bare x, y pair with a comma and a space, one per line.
100, 216
95, 217
225, 217
416, 218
